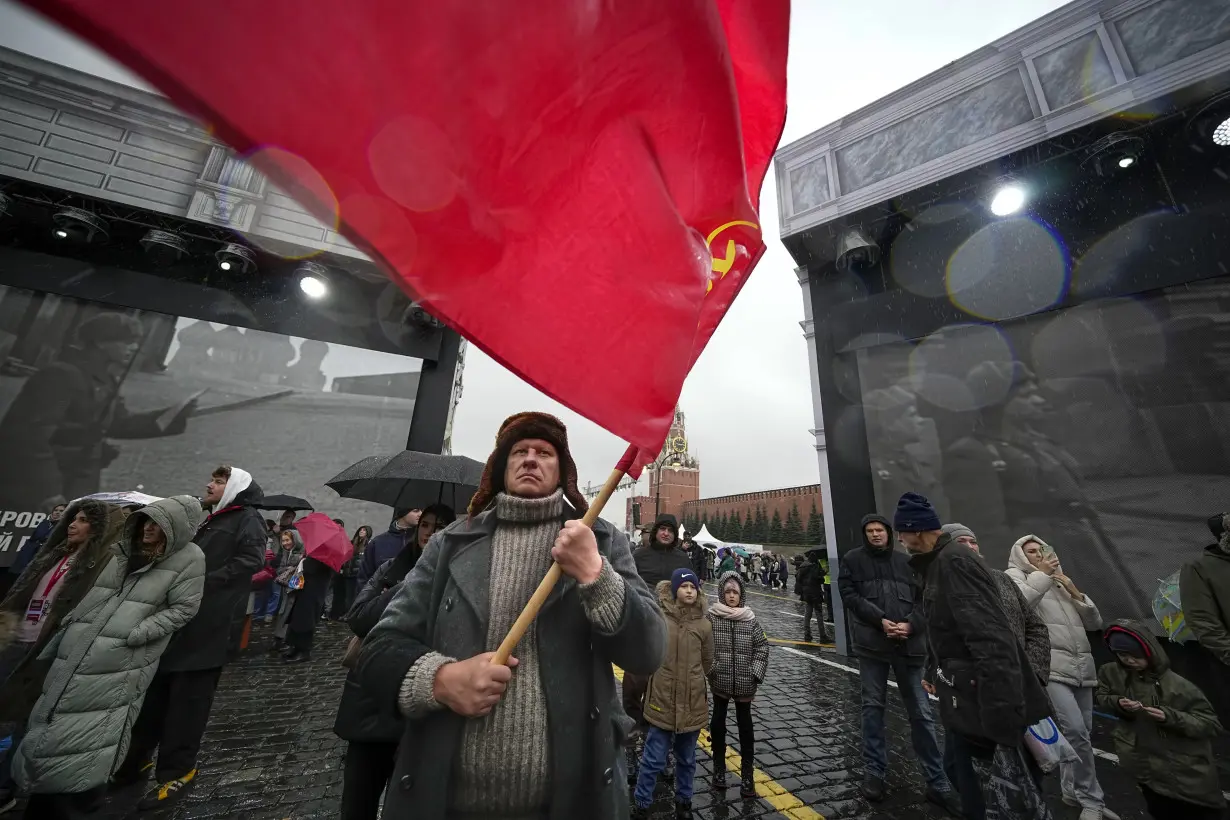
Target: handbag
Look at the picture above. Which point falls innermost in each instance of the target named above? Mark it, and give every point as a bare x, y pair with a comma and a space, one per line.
350, 658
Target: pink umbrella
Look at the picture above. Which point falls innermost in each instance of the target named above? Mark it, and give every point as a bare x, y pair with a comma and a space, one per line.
324, 540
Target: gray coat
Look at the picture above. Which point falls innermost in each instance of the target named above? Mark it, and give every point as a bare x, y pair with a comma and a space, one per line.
442, 606
106, 654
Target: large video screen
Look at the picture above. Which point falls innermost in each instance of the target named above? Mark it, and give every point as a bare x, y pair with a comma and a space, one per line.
1103, 429
93, 399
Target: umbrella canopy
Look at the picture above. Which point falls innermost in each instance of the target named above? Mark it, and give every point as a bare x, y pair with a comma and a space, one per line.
1168, 609
284, 502
123, 498
324, 540
411, 479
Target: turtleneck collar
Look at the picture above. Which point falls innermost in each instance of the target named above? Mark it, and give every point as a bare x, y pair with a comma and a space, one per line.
511, 508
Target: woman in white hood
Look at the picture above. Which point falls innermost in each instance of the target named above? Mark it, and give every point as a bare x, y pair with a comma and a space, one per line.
1068, 614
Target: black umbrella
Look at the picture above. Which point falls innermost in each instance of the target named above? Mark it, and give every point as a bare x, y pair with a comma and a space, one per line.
284, 502
411, 479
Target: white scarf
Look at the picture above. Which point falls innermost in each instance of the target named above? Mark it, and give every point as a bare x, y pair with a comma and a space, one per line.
736, 613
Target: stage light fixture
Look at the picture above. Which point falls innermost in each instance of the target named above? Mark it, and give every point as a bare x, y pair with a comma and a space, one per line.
164, 247
313, 280
1221, 134
235, 258
1009, 198
855, 250
77, 225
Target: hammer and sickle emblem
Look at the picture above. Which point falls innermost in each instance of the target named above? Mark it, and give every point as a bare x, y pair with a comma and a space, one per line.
723, 264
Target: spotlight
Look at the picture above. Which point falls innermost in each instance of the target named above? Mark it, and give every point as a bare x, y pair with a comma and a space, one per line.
1221, 134
164, 247
313, 280
4, 203
235, 258
1009, 199
1115, 153
77, 225
855, 251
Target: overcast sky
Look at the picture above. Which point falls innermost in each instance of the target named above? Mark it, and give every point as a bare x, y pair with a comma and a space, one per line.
748, 401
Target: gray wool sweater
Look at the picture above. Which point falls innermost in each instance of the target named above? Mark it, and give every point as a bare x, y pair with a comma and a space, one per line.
504, 763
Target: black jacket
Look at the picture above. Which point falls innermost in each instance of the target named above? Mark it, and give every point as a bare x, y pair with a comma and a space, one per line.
656, 562
877, 583
969, 638
233, 540
360, 719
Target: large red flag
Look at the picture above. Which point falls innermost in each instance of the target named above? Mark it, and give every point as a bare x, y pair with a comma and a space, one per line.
571, 184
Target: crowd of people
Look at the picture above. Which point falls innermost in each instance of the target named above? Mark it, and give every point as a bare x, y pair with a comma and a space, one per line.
1003, 651
118, 624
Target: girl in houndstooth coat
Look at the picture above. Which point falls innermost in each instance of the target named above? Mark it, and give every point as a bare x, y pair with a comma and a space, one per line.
741, 660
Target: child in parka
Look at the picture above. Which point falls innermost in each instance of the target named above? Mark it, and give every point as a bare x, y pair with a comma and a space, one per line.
1166, 727
676, 701
740, 664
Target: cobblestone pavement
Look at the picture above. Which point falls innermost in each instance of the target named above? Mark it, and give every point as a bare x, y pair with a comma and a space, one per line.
270, 752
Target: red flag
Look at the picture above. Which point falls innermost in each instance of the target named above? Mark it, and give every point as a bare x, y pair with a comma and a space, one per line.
572, 185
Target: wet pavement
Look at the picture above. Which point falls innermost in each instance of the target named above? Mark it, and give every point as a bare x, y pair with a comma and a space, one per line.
270, 752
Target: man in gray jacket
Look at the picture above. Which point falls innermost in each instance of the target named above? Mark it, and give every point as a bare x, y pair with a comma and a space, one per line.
540, 737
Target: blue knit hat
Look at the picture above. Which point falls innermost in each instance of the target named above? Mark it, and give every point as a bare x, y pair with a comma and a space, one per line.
915, 514
680, 576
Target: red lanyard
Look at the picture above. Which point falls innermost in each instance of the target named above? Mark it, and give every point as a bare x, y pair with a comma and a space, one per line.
63, 567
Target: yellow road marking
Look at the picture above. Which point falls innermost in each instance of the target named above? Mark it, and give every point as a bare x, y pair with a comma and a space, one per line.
766, 787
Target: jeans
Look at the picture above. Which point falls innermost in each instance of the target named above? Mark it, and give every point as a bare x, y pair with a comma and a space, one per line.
1074, 714
267, 602
873, 674
808, 610
657, 743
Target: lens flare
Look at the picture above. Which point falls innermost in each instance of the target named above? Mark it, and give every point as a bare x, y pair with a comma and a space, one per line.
1008, 268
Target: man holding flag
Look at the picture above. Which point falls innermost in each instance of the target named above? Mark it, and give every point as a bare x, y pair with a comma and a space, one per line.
574, 188
542, 736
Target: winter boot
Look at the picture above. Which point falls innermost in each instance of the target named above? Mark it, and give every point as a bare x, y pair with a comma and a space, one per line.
683, 811
167, 794
719, 779
747, 789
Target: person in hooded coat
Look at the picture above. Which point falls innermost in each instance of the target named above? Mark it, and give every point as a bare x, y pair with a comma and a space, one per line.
1165, 729
58, 576
105, 657
655, 563
1069, 615
181, 696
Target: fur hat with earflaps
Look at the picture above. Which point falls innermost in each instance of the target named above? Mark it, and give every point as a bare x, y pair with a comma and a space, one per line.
520, 427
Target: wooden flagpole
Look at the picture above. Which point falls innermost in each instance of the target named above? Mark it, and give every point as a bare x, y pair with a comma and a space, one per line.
553, 575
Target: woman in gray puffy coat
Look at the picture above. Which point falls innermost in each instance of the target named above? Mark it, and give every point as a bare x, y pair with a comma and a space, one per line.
106, 654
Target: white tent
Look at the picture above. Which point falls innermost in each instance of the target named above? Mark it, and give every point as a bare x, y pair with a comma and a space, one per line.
703, 537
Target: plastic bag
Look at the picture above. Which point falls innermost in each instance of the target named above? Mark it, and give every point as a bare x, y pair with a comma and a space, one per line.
1048, 745
296, 580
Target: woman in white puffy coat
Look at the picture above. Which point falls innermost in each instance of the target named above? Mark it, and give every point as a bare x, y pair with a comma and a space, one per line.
1068, 614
